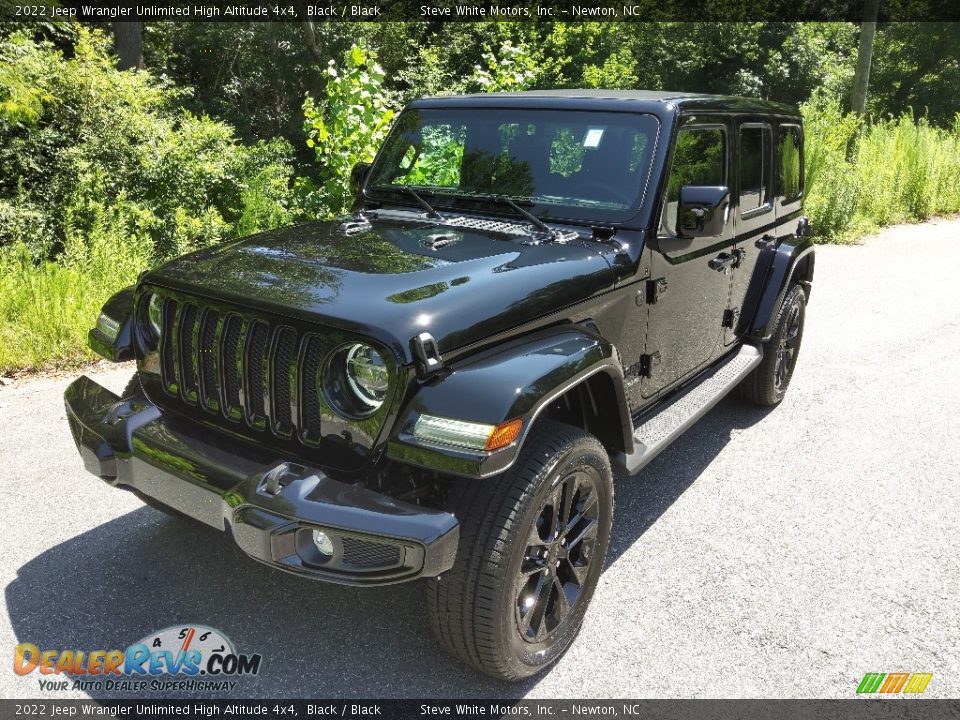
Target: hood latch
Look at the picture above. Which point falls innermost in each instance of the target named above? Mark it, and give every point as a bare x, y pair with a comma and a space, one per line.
427, 354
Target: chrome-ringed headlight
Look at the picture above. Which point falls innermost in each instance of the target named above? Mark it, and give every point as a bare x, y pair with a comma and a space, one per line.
357, 380
367, 375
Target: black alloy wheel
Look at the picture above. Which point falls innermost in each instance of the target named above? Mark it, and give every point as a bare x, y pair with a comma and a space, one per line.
560, 549
788, 345
532, 546
768, 382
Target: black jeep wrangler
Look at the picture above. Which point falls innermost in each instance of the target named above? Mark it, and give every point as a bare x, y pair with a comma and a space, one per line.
535, 291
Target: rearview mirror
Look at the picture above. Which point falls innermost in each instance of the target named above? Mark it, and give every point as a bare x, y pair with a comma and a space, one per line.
358, 175
703, 210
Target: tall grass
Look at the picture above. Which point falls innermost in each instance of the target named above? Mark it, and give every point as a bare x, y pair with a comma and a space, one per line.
46, 310
860, 176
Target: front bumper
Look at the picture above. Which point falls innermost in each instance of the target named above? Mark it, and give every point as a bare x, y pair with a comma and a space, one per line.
269, 506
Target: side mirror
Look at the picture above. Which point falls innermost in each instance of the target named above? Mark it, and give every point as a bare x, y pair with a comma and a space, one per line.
358, 175
703, 210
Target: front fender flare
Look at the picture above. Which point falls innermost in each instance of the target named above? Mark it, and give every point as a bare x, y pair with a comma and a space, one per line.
120, 309
515, 381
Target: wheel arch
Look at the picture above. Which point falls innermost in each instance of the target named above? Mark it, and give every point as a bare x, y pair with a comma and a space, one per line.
583, 406
793, 261
570, 374
119, 309
803, 272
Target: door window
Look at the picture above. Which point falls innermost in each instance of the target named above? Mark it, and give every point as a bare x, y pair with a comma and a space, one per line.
698, 159
790, 144
754, 168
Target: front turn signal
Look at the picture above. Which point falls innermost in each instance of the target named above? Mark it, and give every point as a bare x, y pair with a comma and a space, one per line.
504, 434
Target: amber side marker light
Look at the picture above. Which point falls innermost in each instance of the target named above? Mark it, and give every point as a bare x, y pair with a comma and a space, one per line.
504, 434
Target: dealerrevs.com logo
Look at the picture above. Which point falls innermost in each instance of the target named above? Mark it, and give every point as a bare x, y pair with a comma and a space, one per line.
178, 658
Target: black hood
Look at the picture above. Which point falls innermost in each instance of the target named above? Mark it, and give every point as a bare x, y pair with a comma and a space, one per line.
387, 283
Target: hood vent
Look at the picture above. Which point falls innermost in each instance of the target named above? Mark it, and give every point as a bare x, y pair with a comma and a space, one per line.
355, 225
498, 226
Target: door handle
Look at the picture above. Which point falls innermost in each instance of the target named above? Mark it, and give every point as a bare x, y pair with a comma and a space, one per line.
723, 261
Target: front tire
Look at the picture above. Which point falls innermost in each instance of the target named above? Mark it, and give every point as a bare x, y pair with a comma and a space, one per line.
532, 546
768, 383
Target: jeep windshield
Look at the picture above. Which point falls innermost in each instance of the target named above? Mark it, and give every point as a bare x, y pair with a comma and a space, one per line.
560, 164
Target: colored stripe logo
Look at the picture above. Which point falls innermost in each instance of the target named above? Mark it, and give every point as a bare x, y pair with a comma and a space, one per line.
888, 683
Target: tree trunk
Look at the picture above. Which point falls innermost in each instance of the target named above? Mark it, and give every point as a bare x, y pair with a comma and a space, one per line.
868, 28
310, 38
128, 44
313, 43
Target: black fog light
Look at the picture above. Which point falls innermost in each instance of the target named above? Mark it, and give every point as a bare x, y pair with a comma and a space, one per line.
317, 546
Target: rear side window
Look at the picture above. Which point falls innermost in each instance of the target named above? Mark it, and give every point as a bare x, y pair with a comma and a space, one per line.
698, 159
754, 167
790, 168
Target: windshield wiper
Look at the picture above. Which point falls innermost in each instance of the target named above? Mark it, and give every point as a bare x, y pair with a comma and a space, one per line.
537, 222
423, 203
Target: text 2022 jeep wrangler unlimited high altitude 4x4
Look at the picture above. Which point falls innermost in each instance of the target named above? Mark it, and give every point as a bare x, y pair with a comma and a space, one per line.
534, 289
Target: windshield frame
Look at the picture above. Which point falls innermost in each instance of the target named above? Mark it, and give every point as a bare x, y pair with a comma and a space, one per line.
456, 200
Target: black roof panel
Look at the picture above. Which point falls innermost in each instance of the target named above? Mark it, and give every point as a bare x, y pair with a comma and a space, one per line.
613, 99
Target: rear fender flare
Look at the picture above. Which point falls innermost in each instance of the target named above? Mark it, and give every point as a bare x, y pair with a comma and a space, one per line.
787, 257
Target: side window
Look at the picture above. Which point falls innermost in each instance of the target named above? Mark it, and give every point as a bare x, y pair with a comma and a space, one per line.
754, 168
790, 170
699, 158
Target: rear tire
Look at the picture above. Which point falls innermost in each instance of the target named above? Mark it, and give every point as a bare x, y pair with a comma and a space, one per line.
768, 383
532, 546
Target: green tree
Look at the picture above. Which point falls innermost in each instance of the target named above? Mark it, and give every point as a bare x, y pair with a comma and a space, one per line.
861, 78
509, 69
87, 150
345, 127
253, 75
916, 66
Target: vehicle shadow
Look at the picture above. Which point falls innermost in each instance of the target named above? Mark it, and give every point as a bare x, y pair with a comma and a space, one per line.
111, 586
644, 497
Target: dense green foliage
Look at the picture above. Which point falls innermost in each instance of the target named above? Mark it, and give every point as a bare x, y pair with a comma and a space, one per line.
346, 128
86, 150
860, 176
238, 127
102, 173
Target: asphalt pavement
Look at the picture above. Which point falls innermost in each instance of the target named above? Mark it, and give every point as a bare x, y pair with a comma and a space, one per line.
774, 554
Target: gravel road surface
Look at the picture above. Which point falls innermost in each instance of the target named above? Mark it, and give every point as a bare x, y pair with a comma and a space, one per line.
766, 554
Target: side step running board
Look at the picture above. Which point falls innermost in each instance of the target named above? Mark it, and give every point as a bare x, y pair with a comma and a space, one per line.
655, 433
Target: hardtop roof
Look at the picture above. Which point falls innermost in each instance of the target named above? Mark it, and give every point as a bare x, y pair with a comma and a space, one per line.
660, 100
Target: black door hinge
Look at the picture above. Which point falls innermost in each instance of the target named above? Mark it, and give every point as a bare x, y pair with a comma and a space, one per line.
655, 289
648, 363
730, 316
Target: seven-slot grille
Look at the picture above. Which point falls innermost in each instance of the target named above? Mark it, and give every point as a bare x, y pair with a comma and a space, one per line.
242, 368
